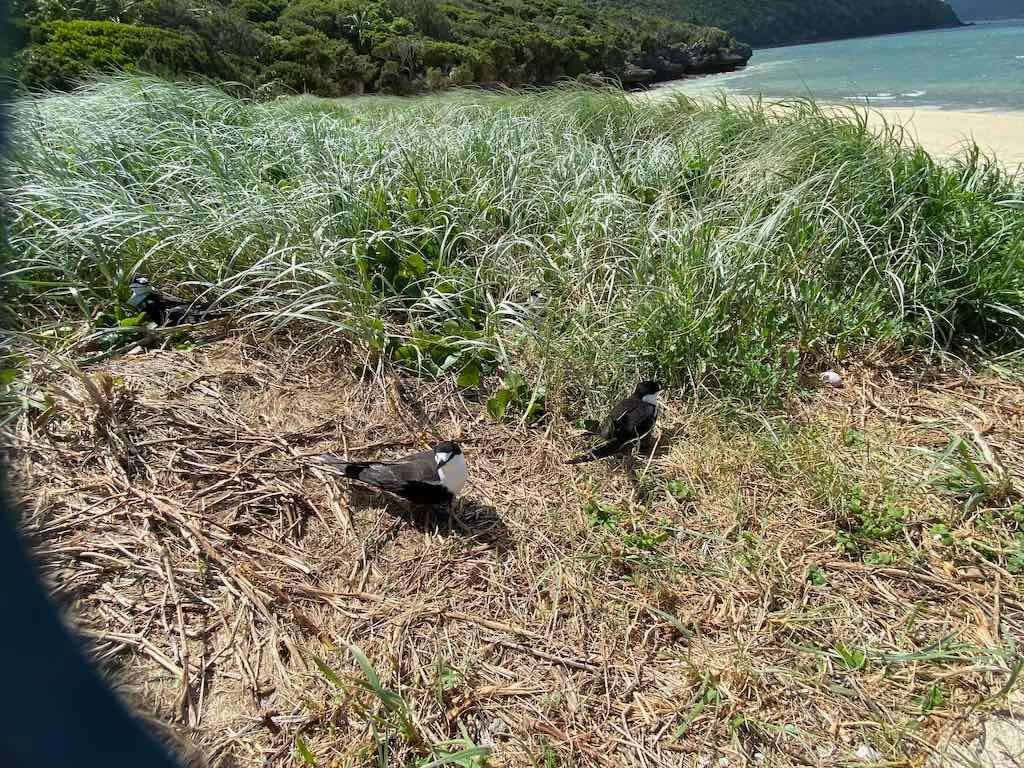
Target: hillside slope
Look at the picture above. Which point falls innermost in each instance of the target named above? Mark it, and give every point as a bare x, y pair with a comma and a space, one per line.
338, 47
988, 9
779, 22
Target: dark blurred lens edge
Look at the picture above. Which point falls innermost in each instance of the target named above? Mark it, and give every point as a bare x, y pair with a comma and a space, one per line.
57, 711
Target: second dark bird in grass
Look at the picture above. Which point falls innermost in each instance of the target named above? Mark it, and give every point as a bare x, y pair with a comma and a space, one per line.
432, 477
164, 309
628, 423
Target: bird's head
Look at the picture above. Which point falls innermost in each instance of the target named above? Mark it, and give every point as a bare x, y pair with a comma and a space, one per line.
141, 288
648, 392
445, 452
646, 388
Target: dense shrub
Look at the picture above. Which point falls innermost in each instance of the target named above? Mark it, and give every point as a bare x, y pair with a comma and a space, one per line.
314, 63
63, 52
334, 47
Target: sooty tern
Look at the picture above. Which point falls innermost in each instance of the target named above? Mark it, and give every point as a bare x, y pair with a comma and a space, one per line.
629, 422
164, 309
431, 477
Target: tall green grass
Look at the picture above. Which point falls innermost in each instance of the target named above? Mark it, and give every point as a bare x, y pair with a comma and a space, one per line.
734, 246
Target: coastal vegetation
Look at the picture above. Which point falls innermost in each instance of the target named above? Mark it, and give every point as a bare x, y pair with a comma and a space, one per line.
794, 575
339, 47
727, 245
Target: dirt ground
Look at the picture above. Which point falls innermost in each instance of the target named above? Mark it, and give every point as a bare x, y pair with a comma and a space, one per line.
739, 597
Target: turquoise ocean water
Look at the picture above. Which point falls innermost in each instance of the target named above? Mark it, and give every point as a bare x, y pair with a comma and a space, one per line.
977, 68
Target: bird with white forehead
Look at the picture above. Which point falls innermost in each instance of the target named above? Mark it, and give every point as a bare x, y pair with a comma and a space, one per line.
431, 477
165, 310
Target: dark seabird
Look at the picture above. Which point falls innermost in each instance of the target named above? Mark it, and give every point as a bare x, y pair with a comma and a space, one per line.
629, 422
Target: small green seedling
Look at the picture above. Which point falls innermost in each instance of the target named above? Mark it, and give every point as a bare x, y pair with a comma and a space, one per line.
941, 534
516, 397
448, 679
817, 577
852, 658
1015, 558
303, 751
871, 521
853, 438
681, 491
648, 541
879, 557
931, 700
458, 752
601, 515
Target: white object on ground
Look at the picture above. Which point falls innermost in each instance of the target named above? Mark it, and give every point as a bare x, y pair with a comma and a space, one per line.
868, 754
831, 378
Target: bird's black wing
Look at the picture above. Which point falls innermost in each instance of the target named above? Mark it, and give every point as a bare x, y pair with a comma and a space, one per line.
152, 309
401, 476
394, 475
182, 314
628, 422
630, 419
610, 426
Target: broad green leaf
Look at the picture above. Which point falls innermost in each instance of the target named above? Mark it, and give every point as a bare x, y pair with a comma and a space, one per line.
407, 352
364, 663
450, 362
817, 577
514, 381
415, 265
933, 699
470, 376
498, 404
388, 698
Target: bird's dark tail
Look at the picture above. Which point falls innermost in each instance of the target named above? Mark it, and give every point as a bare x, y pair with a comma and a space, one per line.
211, 314
600, 452
197, 313
350, 469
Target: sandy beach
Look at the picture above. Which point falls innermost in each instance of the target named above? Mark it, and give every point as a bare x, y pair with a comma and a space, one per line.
943, 132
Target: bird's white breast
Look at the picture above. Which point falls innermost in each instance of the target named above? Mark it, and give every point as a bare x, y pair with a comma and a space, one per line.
453, 474
139, 295
650, 399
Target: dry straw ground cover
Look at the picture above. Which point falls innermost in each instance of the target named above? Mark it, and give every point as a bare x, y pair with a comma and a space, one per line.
816, 588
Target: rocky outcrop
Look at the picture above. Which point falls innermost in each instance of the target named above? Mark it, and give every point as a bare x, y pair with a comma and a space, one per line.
672, 62
633, 75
